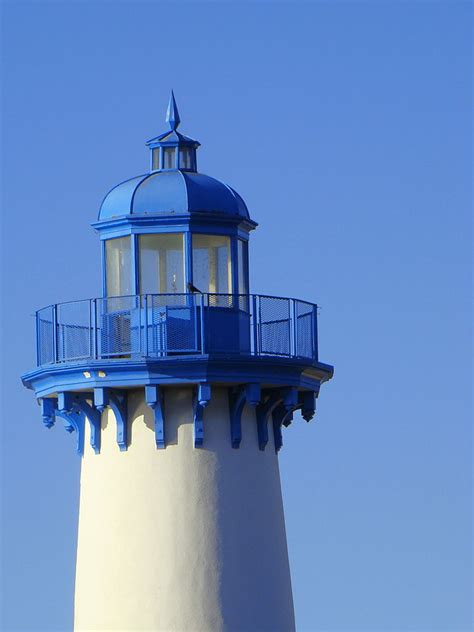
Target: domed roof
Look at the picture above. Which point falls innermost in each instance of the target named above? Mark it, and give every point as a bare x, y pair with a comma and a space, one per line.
172, 191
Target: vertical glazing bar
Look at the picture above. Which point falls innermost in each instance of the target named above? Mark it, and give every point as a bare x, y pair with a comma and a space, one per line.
55, 333
104, 267
188, 265
234, 268
145, 325
134, 257
202, 322
315, 332
294, 328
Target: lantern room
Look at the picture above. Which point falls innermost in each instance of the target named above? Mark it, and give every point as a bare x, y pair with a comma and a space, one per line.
174, 230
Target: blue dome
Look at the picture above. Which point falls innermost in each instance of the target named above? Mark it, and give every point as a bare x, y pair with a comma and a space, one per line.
172, 192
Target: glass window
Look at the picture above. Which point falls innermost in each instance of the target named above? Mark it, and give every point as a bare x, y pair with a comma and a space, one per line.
118, 266
186, 158
243, 259
156, 159
161, 263
169, 161
211, 264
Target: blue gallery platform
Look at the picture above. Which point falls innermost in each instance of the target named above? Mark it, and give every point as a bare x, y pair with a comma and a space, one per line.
124, 341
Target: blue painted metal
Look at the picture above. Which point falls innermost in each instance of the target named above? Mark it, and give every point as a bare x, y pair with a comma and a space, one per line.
307, 401
118, 403
172, 114
290, 397
169, 192
103, 397
74, 420
94, 416
236, 406
238, 397
155, 399
163, 325
278, 416
264, 409
48, 410
202, 397
186, 370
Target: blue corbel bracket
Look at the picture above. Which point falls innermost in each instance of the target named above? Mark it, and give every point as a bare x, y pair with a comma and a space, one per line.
283, 414
279, 415
48, 409
93, 415
307, 404
117, 401
80, 401
264, 410
246, 394
73, 417
202, 397
154, 398
290, 402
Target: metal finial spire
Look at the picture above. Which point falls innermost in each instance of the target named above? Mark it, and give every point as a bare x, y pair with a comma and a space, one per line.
172, 114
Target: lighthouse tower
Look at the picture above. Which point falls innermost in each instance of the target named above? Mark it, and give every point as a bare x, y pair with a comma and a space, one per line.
176, 384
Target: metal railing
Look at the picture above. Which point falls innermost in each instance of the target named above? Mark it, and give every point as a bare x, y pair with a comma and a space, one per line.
164, 325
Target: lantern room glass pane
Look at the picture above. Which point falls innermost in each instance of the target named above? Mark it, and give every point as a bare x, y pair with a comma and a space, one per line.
169, 158
243, 258
211, 264
186, 159
118, 266
161, 263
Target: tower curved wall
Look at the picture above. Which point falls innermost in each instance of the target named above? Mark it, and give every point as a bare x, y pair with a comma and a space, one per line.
184, 538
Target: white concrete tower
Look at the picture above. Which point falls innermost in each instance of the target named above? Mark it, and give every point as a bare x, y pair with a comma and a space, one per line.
177, 383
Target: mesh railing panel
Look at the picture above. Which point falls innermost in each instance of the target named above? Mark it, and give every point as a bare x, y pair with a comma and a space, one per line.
45, 335
275, 326
118, 326
305, 314
172, 325
73, 337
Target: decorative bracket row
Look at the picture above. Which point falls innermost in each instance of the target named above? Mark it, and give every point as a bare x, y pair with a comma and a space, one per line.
277, 405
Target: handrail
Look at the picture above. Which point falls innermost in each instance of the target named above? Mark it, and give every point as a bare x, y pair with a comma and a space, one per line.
164, 325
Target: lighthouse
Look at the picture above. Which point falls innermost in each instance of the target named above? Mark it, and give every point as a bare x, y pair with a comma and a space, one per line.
176, 384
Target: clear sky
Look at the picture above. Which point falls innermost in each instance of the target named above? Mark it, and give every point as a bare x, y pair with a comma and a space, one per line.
346, 128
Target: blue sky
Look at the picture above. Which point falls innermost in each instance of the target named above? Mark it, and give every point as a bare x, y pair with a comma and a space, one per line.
346, 128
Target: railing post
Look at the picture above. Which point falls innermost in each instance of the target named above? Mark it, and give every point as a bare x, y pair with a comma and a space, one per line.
55, 333
202, 322
38, 343
145, 325
294, 318
256, 321
315, 332
93, 310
